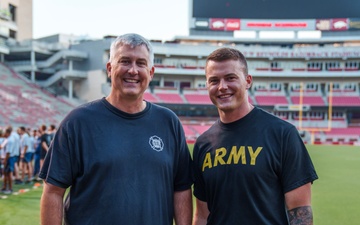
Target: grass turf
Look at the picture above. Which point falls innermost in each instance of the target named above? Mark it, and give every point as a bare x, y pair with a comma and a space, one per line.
21, 207
335, 195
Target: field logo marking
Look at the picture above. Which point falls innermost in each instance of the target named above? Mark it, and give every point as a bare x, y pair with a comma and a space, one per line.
156, 143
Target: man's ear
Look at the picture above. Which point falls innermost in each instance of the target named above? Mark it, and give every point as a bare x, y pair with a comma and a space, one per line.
108, 69
248, 81
152, 72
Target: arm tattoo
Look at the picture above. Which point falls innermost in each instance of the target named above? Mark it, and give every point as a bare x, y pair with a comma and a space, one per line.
301, 216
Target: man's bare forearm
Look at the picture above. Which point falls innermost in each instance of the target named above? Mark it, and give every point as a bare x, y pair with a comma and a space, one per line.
301, 216
51, 205
183, 207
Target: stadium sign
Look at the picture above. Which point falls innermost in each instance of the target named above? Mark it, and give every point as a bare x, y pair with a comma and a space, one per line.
302, 54
288, 108
339, 24
354, 24
224, 24
277, 24
217, 24
232, 24
202, 24
323, 24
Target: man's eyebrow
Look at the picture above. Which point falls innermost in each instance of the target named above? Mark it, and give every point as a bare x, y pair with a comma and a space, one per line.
143, 60
212, 77
124, 57
128, 57
230, 74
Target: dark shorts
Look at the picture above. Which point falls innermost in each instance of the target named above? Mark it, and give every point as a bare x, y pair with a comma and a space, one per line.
10, 164
43, 154
28, 157
17, 159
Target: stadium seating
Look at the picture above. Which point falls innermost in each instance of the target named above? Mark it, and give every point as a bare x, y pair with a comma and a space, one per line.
262, 69
194, 130
268, 94
311, 94
190, 133
335, 69
345, 100
268, 100
349, 131
25, 104
348, 135
172, 98
159, 66
351, 69
148, 96
314, 69
196, 96
200, 128
190, 67
308, 100
169, 95
198, 99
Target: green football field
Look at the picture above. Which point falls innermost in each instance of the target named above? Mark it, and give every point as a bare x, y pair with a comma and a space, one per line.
336, 194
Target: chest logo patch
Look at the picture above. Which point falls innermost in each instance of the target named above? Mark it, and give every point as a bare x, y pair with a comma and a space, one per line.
156, 143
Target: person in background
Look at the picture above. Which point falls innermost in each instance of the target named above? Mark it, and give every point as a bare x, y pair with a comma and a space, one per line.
37, 153
2, 154
125, 159
10, 159
250, 166
45, 141
17, 166
26, 155
52, 131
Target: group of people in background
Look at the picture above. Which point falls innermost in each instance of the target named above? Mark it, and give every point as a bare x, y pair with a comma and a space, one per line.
22, 152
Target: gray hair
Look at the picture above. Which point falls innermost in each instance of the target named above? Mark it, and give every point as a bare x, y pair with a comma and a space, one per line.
132, 40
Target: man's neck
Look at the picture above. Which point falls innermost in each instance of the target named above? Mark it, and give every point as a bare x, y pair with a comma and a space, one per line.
132, 107
236, 114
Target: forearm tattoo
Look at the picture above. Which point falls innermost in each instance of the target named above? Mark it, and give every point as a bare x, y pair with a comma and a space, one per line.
301, 216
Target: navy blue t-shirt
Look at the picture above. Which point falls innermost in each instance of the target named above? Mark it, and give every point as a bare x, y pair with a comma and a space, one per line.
243, 169
122, 168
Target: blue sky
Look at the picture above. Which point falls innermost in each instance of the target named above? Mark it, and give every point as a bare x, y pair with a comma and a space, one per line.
155, 19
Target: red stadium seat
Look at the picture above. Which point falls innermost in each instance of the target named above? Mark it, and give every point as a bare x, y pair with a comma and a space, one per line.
170, 98
271, 100
308, 100
198, 98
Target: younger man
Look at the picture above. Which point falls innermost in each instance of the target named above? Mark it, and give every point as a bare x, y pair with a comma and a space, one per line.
250, 166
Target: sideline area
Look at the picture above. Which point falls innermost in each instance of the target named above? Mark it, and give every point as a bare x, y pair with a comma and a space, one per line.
21, 189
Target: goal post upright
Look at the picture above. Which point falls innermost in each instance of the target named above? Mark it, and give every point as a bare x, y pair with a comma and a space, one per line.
315, 129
